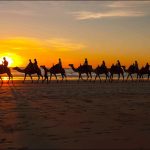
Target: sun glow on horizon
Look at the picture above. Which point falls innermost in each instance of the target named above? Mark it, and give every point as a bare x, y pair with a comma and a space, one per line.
12, 58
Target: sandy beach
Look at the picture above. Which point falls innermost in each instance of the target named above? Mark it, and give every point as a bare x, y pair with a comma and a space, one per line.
75, 115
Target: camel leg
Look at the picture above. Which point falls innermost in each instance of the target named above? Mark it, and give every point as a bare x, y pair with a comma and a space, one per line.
123, 77
50, 76
41, 77
45, 78
106, 77
87, 76
112, 76
31, 78
62, 76
99, 78
38, 78
56, 77
1, 80
24, 78
127, 77
90, 76
11, 78
95, 77
79, 77
138, 77
131, 77
118, 76
65, 76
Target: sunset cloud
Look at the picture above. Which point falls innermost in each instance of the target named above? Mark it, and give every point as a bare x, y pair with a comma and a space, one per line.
64, 44
127, 4
27, 43
84, 15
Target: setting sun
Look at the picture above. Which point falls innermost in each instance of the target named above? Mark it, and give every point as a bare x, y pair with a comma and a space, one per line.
13, 59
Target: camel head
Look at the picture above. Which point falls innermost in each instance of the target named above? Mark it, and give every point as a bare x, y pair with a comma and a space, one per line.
15, 68
43, 66
124, 67
71, 65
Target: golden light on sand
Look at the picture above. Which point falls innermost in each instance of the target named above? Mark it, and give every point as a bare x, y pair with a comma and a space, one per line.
12, 58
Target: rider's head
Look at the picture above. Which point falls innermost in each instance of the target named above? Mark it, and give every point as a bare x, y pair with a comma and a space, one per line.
29, 60
59, 59
4, 58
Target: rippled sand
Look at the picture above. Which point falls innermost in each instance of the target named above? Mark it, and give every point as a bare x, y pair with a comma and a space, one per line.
75, 115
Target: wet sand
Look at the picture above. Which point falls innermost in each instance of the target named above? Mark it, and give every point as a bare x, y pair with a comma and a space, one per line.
75, 115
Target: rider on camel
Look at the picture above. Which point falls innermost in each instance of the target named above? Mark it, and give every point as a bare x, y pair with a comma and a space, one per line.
103, 64
136, 66
147, 65
35, 64
60, 63
118, 64
85, 62
5, 62
30, 65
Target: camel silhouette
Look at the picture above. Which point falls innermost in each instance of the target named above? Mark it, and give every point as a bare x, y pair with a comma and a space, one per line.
29, 71
101, 70
143, 71
54, 70
116, 70
83, 69
131, 70
6, 70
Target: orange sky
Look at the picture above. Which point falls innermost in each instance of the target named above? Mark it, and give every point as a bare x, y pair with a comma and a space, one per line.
74, 31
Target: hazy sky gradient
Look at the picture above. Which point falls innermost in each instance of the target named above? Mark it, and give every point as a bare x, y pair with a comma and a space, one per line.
75, 30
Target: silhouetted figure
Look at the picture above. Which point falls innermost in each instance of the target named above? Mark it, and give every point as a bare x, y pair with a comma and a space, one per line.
30, 65
35, 64
60, 63
4, 69
5, 62
136, 66
45, 73
103, 64
85, 62
147, 65
118, 64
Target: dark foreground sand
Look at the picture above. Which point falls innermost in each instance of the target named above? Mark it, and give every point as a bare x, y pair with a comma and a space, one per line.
75, 115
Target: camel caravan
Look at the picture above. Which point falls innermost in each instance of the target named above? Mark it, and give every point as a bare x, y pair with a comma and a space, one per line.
117, 69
